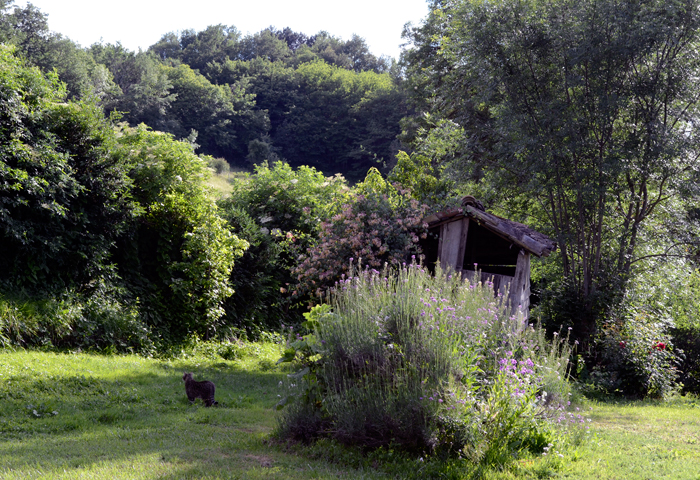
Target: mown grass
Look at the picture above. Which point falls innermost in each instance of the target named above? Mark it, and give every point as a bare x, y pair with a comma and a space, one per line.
91, 416
73, 416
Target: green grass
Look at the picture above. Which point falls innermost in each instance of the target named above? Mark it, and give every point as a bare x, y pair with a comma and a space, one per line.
644, 440
221, 184
73, 416
90, 416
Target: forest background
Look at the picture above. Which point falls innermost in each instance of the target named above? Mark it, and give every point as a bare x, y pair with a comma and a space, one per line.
112, 241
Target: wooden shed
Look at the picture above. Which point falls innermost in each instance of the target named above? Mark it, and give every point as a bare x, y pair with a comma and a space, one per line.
469, 239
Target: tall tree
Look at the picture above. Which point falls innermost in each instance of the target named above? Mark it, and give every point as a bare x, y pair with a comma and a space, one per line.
145, 88
587, 109
222, 115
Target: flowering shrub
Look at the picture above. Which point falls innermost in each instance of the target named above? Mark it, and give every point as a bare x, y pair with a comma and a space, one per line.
380, 224
277, 210
637, 357
431, 364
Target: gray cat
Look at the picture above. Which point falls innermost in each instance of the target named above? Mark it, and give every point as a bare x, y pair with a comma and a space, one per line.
204, 390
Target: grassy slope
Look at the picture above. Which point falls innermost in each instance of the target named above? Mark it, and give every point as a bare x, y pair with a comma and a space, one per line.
221, 184
127, 417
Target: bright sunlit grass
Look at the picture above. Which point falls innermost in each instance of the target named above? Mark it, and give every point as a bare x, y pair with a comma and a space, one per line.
90, 416
222, 183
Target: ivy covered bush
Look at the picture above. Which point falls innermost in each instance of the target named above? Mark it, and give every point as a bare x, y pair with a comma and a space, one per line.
111, 228
426, 364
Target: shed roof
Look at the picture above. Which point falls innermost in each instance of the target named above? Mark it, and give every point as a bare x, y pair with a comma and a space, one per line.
517, 233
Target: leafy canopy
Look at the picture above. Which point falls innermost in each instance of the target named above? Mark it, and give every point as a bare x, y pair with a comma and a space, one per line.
583, 111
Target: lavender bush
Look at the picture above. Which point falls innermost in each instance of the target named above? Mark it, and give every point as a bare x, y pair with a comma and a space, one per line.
428, 363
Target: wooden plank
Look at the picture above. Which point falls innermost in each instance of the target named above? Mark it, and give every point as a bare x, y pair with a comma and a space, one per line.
462, 244
505, 231
449, 248
520, 288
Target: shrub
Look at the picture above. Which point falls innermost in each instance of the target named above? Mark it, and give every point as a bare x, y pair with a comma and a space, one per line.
63, 191
260, 277
379, 224
96, 321
684, 307
177, 254
277, 210
636, 357
219, 165
428, 364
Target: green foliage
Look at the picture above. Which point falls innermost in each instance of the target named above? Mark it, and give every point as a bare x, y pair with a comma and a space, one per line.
417, 174
27, 28
222, 115
178, 253
219, 165
63, 190
423, 363
145, 89
102, 321
637, 357
277, 210
326, 130
675, 292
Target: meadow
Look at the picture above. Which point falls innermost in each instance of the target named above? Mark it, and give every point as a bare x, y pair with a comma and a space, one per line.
80, 415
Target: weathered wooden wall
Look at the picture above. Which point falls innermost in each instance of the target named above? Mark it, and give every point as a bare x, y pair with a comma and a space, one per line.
451, 253
453, 240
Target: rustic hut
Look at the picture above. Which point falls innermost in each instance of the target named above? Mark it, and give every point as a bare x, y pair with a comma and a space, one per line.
469, 240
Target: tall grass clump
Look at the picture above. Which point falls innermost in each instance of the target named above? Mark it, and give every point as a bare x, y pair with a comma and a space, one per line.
430, 364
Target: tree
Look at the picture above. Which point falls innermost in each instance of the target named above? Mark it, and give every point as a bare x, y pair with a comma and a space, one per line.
214, 44
145, 87
294, 39
29, 31
586, 111
264, 44
222, 115
328, 126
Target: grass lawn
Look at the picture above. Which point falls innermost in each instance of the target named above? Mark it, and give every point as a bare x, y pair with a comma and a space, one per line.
78, 416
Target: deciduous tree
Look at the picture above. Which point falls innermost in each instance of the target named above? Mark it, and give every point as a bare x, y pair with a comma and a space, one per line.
586, 109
